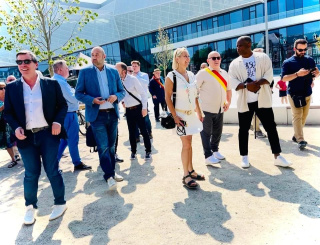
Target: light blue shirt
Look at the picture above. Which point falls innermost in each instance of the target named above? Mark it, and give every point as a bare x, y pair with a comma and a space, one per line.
104, 88
68, 93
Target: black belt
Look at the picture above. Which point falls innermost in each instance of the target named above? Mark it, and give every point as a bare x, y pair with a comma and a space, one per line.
36, 130
132, 107
107, 110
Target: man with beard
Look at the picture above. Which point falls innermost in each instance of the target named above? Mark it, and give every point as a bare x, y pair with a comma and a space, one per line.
156, 88
250, 75
299, 70
100, 88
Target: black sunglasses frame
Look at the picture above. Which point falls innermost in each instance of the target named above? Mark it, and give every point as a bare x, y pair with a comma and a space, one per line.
301, 50
4, 88
215, 58
27, 62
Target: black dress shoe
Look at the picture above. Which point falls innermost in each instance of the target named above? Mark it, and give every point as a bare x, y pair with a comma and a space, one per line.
118, 159
82, 166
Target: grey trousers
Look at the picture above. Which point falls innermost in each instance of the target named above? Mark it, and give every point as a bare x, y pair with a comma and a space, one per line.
211, 133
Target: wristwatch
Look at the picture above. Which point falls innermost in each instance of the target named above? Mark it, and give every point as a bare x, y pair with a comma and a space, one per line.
244, 86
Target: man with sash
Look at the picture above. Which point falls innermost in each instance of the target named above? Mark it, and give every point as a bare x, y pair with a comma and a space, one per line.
156, 88
215, 98
250, 75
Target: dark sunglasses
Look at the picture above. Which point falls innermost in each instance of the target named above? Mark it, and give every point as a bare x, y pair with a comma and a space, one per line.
215, 58
130, 71
301, 50
27, 62
2, 88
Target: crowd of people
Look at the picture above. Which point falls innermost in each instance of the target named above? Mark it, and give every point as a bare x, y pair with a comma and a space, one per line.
38, 114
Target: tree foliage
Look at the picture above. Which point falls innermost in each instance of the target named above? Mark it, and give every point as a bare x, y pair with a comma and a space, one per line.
36, 23
318, 43
164, 56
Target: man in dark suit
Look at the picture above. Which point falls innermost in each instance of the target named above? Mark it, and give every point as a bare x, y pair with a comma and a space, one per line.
35, 109
100, 88
156, 88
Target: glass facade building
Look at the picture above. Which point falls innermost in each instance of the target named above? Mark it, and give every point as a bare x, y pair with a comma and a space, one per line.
127, 30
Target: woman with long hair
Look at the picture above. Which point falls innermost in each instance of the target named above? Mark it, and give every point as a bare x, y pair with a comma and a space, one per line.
186, 111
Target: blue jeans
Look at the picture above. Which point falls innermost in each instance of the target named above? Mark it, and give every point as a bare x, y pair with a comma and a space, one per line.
105, 132
71, 125
41, 145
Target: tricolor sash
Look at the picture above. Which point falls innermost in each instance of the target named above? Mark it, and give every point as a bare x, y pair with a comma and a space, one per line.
159, 82
218, 77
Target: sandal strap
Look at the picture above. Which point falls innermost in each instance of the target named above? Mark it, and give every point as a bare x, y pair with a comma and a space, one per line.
191, 172
186, 177
191, 182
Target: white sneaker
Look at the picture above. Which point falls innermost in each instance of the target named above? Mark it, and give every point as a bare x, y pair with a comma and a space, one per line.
58, 210
112, 183
118, 177
29, 216
245, 162
211, 160
282, 162
218, 155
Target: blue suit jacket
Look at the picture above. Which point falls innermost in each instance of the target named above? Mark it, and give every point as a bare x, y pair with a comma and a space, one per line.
88, 88
54, 105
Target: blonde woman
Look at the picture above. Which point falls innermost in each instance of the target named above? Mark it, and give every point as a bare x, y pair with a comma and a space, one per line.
186, 113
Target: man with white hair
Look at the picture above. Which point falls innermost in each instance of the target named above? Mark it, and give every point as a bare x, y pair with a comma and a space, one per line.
215, 98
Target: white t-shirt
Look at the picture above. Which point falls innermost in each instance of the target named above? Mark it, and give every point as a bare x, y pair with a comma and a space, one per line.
250, 65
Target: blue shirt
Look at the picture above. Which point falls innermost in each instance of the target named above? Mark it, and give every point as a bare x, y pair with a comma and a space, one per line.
299, 85
104, 87
68, 93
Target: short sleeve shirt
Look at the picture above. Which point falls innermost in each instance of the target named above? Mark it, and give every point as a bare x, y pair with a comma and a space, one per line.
299, 85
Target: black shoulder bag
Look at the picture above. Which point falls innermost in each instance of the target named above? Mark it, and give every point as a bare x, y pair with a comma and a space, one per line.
132, 94
168, 122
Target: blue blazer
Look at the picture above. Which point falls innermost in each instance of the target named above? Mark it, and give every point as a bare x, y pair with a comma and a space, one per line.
54, 105
88, 88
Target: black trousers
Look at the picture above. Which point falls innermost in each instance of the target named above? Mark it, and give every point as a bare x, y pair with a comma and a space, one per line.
267, 119
211, 133
156, 104
134, 120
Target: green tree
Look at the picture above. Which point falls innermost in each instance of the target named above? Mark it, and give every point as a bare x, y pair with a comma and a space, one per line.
318, 43
165, 51
36, 23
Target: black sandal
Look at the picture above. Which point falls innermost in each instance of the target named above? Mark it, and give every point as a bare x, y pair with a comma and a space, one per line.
190, 184
12, 164
198, 177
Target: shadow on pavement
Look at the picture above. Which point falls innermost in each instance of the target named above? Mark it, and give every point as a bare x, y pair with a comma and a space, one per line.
205, 214
285, 187
103, 214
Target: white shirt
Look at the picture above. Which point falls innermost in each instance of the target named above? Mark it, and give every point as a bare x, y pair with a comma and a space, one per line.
133, 85
250, 65
144, 80
33, 105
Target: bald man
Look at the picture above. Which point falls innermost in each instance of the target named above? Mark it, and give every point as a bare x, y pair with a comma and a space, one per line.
99, 87
215, 98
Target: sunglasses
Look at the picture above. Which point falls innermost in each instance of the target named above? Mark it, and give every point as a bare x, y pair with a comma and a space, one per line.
215, 58
27, 62
11, 80
130, 71
301, 50
2, 88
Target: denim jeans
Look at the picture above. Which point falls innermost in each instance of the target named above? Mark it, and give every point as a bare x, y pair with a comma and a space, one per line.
71, 125
105, 132
211, 133
134, 120
267, 119
41, 145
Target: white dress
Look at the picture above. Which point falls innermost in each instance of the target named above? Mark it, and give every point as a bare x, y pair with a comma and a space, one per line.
185, 101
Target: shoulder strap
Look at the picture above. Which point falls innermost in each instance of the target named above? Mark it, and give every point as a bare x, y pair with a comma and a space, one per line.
174, 95
131, 94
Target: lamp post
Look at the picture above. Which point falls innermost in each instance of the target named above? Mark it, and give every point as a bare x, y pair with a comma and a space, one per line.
266, 25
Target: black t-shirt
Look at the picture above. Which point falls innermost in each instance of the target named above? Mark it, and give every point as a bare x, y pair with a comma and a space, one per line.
299, 85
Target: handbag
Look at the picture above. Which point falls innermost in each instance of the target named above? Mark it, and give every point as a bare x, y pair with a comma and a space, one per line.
90, 139
299, 100
168, 122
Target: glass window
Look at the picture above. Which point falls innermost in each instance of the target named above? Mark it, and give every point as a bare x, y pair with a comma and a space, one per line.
209, 23
212, 46
245, 14
146, 41
227, 19
184, 31
312, 30
307, 3
298, 4
273, 7
236, 19
221, 47
194, 28
290, 5
175, 35
260, 13
189, 30
141, 43
294, 33
220, 20
204, 25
